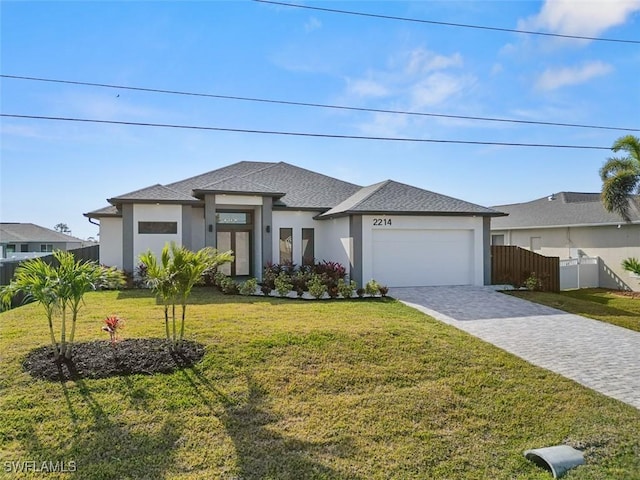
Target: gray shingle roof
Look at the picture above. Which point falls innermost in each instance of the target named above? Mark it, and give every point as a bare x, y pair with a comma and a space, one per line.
108, 211
239, 185
561, 209
30, 232
394, 197
299, 188
154, 193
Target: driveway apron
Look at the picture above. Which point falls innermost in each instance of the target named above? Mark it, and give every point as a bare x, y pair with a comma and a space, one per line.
601, 356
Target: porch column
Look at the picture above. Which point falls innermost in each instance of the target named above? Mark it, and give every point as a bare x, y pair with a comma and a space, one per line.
267, 231
210, 237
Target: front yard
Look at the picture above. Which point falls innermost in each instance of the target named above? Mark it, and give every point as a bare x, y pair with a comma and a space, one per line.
617, 308
290, 389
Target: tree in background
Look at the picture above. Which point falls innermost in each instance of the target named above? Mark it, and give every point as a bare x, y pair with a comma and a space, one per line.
62, 228
621, 176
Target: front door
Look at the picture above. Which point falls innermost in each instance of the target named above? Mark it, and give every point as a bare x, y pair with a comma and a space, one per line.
240, 242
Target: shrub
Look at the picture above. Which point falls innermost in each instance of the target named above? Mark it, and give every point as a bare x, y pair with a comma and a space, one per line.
383, 289
331, 271
532, 282
229, 286
346, 289
283, 284
113, 324
249, 287
265, 289
372, 288
317, 288
360, 292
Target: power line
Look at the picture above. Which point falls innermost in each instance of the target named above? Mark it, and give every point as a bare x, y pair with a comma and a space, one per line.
300, 134
321, 105
449, 24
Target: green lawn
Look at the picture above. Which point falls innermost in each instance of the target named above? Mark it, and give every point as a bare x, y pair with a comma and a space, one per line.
604, 305
303, 390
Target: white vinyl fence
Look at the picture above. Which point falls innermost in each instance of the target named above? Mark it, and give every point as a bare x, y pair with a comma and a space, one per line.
581, 272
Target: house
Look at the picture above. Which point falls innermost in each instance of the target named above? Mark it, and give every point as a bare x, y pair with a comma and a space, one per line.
27, 240
276, 212
573, 225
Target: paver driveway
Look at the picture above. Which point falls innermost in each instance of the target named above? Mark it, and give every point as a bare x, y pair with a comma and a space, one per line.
599, 355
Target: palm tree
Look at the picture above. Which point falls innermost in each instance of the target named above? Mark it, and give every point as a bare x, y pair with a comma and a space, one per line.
37, 281
174, 277
60, 288
621, 176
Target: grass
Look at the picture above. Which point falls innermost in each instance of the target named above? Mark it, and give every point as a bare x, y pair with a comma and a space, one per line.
304, 390
600, 304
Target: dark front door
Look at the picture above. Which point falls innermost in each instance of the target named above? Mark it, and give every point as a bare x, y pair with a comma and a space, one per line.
240, 242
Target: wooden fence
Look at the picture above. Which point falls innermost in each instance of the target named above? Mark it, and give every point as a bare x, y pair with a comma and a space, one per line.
7, 269
513, 265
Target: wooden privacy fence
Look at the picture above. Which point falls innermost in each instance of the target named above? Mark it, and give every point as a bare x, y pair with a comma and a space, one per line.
513, 265
7, 269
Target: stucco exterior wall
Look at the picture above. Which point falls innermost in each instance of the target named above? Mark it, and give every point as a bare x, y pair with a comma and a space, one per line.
611, 243
111, 242
153, 241
197, 228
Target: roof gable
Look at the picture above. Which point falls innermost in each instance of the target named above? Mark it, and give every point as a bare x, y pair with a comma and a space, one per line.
395, 197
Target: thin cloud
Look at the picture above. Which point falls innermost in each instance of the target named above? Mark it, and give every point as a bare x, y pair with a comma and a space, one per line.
312, 24
587, 18
367, 88
552, 79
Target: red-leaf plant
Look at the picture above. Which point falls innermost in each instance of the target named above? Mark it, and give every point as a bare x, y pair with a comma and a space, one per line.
112, 324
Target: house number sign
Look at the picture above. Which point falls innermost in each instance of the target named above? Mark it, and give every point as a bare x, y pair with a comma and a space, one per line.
381, 222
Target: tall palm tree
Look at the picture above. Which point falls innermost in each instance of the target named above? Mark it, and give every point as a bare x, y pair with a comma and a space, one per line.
621, 176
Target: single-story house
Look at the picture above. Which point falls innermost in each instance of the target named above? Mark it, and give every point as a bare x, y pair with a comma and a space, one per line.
394, 233
571, 225
27, 240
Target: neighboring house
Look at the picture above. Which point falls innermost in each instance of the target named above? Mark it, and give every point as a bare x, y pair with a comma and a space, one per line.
574, 225
27, 240
276, 212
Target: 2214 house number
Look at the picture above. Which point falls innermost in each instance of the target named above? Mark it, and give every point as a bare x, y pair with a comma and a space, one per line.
381, 222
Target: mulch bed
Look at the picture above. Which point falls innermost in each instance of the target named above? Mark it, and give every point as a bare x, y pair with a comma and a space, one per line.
101, 359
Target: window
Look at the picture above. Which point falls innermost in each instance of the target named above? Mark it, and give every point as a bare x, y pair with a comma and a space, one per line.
286, 245
158, 227
24, 247
11, 248
233, 218
497, 239
308, 247
46, 247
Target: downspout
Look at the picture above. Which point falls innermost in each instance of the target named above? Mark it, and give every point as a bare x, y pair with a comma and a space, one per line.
94, 223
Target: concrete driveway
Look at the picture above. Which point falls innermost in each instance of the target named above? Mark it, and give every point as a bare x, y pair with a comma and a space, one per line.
598, 355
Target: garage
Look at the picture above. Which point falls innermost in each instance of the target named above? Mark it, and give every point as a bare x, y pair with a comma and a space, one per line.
423, 257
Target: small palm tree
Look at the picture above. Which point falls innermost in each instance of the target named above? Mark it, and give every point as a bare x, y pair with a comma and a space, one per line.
37, 281
60, 288
621, 176
173, 279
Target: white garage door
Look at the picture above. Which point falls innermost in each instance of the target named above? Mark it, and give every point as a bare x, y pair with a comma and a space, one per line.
410, 258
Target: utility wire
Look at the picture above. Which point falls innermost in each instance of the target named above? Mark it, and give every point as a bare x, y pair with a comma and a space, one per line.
320, 105
301, 134
449, 24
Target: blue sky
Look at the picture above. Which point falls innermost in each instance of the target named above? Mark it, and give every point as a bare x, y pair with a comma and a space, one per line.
55, 171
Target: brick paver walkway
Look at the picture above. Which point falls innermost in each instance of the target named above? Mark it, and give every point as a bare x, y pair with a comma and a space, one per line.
598, 355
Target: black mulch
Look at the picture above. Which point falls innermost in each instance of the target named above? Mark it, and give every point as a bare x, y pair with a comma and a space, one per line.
101, 359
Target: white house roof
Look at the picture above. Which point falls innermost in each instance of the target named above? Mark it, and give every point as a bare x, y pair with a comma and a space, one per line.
29, 232
561, 209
